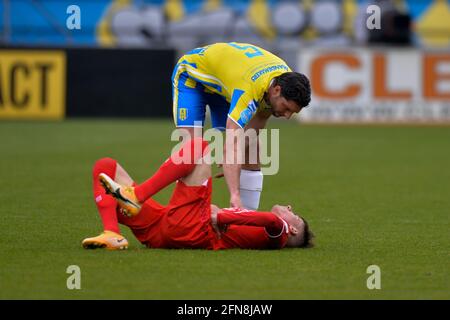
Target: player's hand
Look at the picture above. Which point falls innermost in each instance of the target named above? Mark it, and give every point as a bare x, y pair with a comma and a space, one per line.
235, 201
218, 229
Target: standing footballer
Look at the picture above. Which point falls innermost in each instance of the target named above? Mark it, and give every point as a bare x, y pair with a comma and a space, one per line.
243, 85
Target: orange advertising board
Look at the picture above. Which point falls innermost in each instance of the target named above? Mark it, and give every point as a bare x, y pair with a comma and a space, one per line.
352, 84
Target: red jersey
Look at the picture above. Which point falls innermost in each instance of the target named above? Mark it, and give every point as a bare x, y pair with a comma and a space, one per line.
251, 230
186, 223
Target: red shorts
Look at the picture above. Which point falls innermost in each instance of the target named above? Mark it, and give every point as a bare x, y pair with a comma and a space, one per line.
184, 223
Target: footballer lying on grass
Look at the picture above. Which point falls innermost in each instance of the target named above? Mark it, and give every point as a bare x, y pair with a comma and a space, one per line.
189, 220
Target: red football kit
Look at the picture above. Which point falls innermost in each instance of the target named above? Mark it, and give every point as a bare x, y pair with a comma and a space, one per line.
186, 223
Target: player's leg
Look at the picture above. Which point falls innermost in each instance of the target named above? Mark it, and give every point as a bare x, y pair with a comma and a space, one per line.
106, 203
202, 170
251, 175
187, 222
219, 108
180, 164
189, 104
189, 107
107, 206
251, 184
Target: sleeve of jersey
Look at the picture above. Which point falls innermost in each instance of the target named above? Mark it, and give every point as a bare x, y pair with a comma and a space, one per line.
275, 226
242, 107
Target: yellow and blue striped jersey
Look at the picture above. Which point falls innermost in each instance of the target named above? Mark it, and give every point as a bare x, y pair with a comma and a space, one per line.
239, 72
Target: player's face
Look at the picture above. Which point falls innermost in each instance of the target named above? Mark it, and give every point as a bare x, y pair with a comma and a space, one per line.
286, 213
280, 106
296, 224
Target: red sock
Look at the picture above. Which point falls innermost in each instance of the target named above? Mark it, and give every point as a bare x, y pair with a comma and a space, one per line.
106, 204
172, 169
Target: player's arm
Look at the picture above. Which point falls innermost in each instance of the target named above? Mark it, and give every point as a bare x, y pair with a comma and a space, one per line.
242, 109
240, 113
256, 123
274, 225
259, 120
231, 167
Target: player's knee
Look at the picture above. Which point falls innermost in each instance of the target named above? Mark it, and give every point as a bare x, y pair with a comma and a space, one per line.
199, 143
198, 176
104, 165
198, 147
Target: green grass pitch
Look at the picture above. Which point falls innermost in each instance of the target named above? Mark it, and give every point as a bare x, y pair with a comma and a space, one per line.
373, 196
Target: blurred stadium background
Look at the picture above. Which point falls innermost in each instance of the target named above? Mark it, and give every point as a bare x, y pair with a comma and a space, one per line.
397, 73
373, 194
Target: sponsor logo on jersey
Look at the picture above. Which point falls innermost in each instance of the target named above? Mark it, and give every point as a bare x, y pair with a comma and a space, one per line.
268, 70
182, 114
252, 106
246, 115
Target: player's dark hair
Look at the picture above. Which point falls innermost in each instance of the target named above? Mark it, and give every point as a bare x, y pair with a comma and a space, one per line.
296, 87
307, 236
